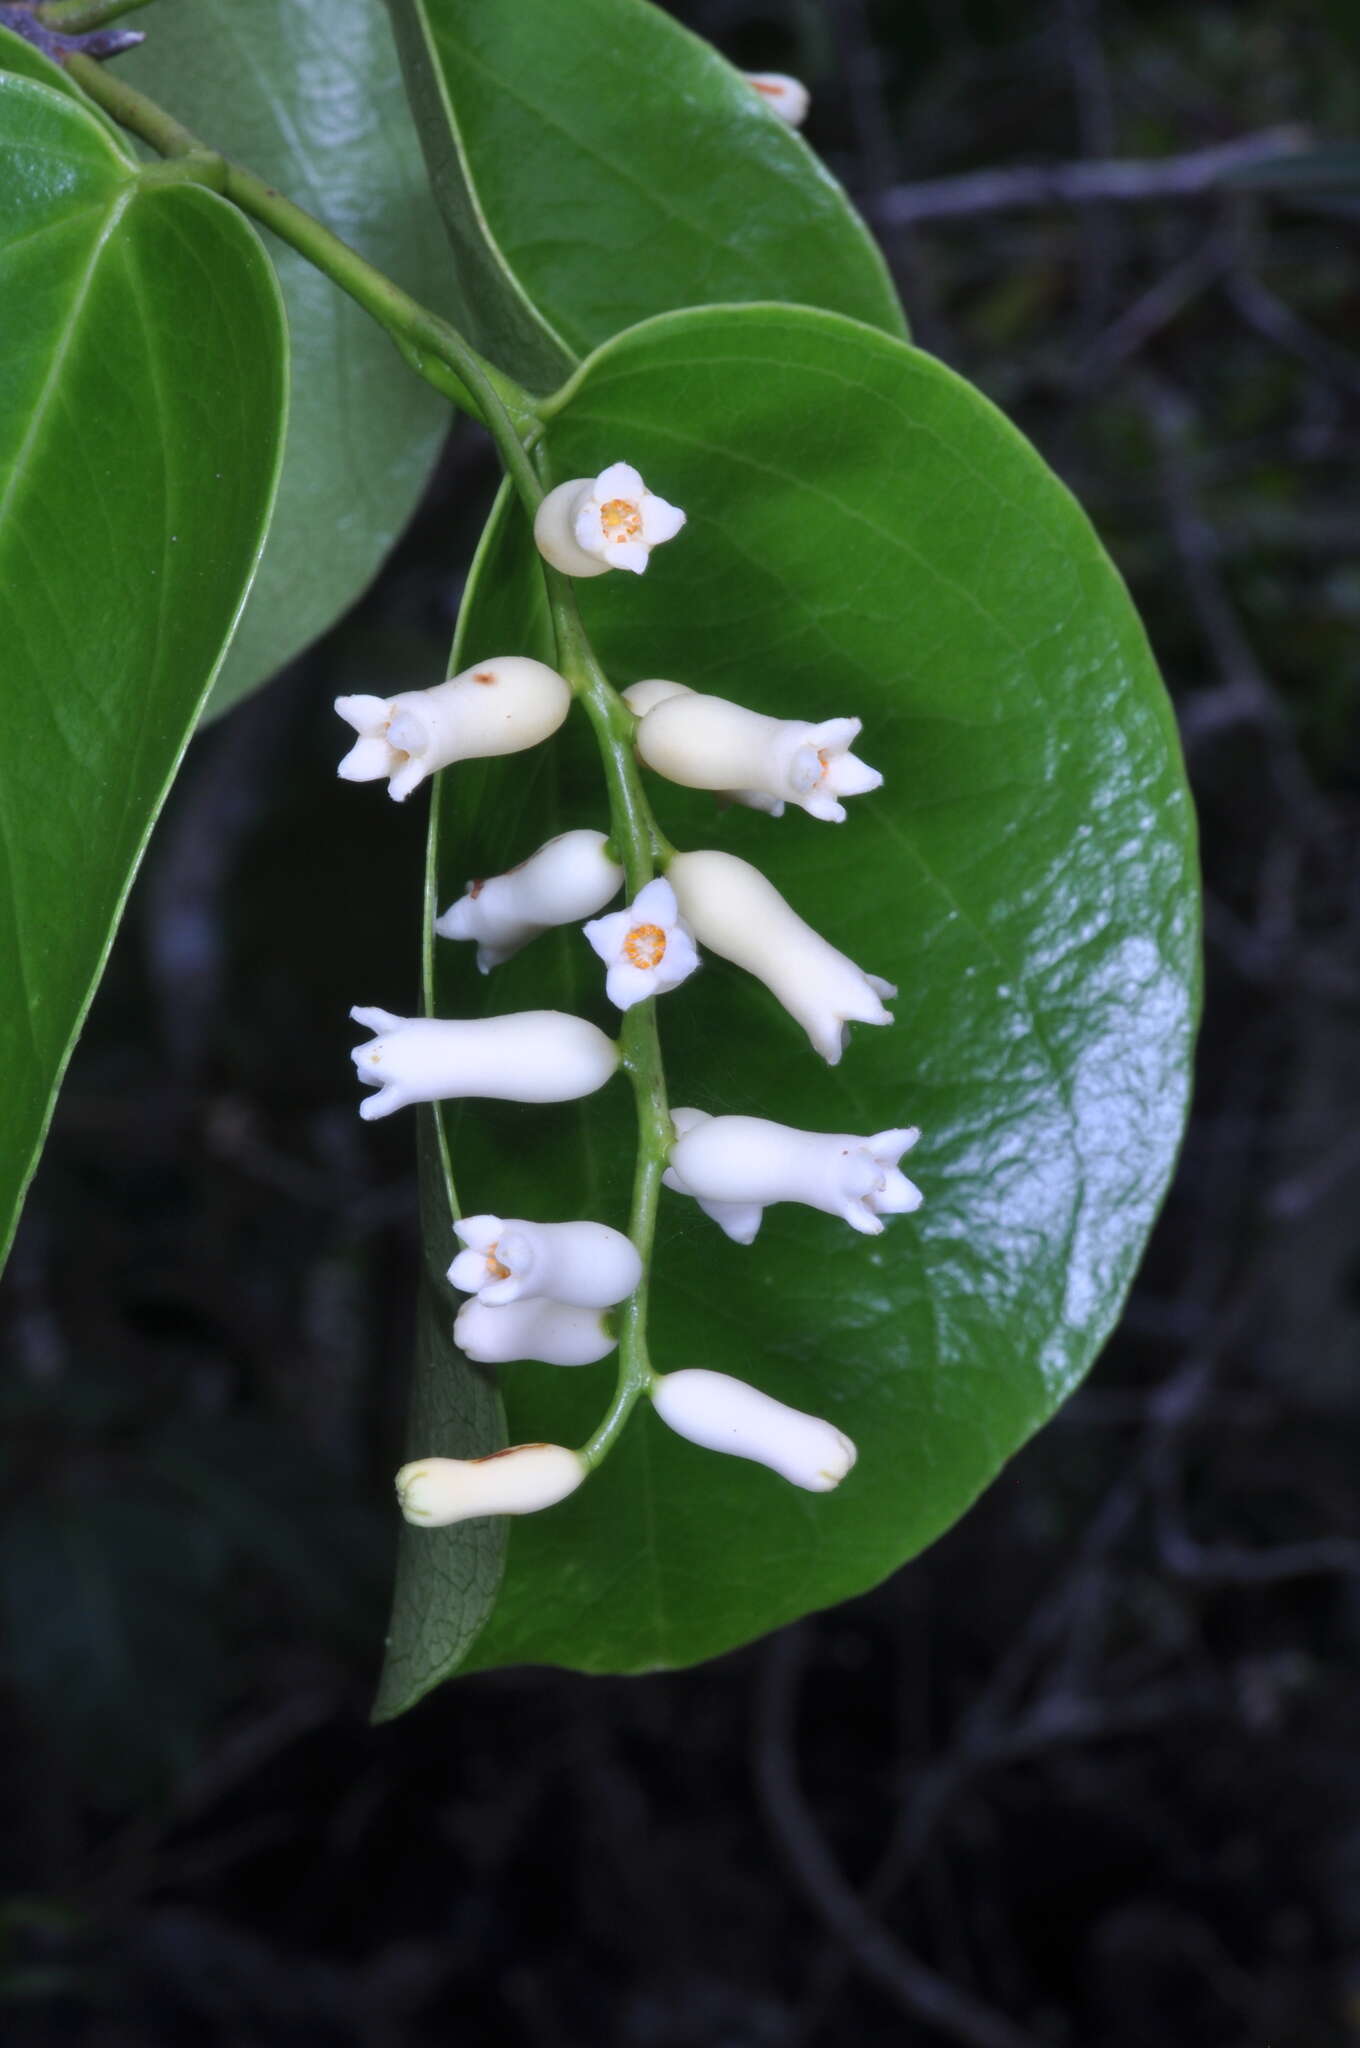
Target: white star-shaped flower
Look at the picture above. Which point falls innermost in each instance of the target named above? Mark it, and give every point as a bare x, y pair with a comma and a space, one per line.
612, 521
647, 948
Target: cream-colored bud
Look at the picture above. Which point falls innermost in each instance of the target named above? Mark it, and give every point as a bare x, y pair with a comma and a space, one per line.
785, 96
568, 879
724, 1414
709, 743
529, 1056
433, 1492
733, 910
498, 707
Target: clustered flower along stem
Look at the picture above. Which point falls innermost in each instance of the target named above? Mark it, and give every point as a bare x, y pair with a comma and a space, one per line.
733, 1167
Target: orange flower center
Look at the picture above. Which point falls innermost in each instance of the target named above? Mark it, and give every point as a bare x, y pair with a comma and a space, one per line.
493, 1264
645, 945
621, 519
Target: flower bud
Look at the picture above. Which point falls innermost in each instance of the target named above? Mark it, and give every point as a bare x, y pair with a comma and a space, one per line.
736, 1166
724, 1414
587, 1265
498, 707
553, 1332
785, 96
641, 697
611, 521
568, 879
709, 743
529, 1056
433, 1492
733, 910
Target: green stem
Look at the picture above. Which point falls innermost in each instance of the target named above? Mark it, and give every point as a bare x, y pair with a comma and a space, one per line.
435, 349
637, 844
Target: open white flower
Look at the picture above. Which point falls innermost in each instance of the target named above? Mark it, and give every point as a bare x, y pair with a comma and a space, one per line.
724, 1414
612, 521
640, 698
785, 96
554, 1332
510, 1259
733, 910
433, 1492
569, 878
498, 707
646, 948
529, 1056
735, 1167
709, 743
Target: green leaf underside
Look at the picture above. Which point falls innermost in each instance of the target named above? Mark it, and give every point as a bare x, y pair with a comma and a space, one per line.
597, 164
866, 535
142, 400
308, 93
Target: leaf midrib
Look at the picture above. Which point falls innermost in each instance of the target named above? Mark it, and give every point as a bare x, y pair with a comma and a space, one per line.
52, 381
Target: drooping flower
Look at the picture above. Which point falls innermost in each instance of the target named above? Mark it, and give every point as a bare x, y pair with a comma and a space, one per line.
724, 1414
498, 707
735, 1167
646, 948
507, 1259
554, 1332
709, 743
569, 878
733, 910
433, 1492
611, 521
529, 1056
787, 97
640, 698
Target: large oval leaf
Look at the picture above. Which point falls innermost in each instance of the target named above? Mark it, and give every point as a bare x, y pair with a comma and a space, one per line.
866, 535
597, 163
142, 398
309, 94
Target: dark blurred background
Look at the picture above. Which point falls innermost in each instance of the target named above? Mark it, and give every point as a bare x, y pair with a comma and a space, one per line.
1085, 1776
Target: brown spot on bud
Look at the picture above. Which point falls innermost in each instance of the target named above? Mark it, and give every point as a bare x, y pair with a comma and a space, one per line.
484, 675
475, 888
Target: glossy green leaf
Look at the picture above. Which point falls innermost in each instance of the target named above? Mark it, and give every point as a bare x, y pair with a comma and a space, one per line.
596, 163
142, 399
866, 535
308, 93
26, 60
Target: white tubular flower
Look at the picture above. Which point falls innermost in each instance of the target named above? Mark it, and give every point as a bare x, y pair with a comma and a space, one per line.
646, 948
733, 910
498, 707
586, 1265
553, 1332
709, 743
640, 699
785, 96
740, 1220
433, 1492
611, 521
723, 1414
530, 1056
737, 1166
569, 878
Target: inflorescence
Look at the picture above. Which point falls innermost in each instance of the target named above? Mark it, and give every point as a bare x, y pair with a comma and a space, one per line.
545, 1290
